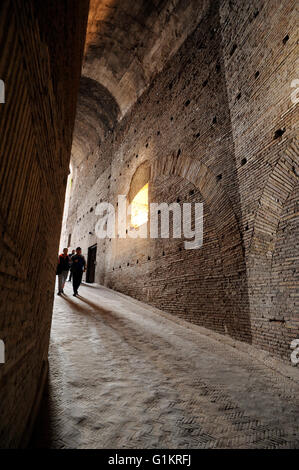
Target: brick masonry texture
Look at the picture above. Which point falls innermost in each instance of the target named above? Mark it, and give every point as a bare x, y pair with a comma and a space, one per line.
214, 124
36, 125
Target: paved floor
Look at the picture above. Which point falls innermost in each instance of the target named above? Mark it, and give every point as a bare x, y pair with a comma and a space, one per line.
125, 375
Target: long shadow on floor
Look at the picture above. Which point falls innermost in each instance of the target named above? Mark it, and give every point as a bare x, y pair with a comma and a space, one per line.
42, 437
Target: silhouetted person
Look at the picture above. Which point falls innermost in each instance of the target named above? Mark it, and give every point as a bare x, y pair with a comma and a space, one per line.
62, 270
71, 272
78, 267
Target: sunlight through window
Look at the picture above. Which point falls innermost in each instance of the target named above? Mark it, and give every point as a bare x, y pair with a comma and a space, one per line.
139, 208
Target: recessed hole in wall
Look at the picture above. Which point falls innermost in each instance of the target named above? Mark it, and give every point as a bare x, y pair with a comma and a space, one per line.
214, 120
204, 83
109, 177
197, 135
239, 96
285, 39
137, 261
243, 161
247, 227
233, 49
163, 254
119, 267
218, 67
137, 156
187, 103
180, 248
126, 230
219, 177
179, 152
159, 212
170, 85
149, 258
256, 13
146, 145
178, 200
171, 118
128, 264
91, 209
279, 132
256, 74
191, 192
158, 132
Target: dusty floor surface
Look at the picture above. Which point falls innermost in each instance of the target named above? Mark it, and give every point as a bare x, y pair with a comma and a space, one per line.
125, 375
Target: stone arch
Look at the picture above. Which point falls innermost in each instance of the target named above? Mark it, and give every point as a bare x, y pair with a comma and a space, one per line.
262, 278
236, 299
97, 114
279, 186
226, 223
284, 263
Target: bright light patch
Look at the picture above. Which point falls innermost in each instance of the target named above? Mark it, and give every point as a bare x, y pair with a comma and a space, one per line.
139, 208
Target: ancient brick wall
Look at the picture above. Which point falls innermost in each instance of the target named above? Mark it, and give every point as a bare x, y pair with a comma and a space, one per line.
40, 65
217, 125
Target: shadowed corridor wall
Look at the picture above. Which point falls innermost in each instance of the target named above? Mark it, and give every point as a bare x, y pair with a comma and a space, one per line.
36, 126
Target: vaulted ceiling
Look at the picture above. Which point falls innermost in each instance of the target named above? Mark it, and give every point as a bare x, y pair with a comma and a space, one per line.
127, 44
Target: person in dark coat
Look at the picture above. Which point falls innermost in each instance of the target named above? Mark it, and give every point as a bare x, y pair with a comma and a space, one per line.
62, 270
78, 268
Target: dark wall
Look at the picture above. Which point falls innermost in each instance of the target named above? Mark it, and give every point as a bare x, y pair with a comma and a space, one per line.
41, 47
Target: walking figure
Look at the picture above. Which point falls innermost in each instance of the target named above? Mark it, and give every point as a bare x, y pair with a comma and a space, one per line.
62, 270
78, 267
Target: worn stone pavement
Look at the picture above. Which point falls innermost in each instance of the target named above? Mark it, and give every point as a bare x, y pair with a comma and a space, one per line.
126, 375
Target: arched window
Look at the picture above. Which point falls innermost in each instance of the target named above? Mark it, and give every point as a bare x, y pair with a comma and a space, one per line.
139, 195
139, 207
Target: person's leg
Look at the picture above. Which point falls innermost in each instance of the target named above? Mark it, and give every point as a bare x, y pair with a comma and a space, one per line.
64, 274
79, 279
76, 282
